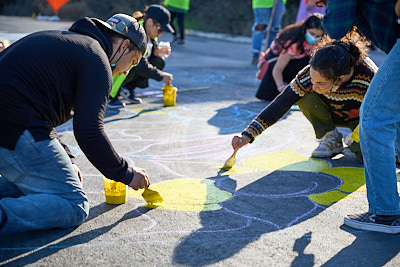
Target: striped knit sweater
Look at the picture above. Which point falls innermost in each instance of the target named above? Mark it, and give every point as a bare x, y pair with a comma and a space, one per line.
345, 101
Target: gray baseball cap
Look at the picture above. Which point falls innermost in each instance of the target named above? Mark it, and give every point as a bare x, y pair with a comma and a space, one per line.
128, 27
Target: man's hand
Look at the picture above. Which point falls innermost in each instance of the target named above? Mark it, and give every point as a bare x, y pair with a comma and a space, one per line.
78, 172
167, 77
163, 52
140, 179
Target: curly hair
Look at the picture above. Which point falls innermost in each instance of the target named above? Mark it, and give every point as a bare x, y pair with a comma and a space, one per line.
296, 32
333, 58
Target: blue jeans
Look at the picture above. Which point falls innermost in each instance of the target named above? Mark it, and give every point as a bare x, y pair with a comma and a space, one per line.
262, 16
39, 188
380, 135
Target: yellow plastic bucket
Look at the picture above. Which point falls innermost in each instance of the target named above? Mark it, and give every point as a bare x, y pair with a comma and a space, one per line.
169, 95
115, 191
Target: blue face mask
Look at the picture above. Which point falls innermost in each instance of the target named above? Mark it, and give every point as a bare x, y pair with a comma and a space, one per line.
311, 39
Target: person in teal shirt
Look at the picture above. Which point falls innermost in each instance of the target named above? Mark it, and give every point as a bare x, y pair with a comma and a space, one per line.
262, 10
178, 10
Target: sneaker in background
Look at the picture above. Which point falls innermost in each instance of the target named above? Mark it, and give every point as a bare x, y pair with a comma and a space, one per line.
115, 103
177, 41
330, 145
372, 222
129, 95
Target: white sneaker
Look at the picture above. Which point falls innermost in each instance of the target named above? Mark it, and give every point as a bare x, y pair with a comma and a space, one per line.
330, 144
347, 140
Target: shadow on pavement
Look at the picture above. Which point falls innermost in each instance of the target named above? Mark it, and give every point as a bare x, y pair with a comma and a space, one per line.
43, 241
274, 202
235, 118
373, 249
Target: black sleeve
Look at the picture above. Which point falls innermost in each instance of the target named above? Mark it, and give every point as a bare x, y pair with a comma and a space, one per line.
279, 106
271, 113
93, 86
146, 69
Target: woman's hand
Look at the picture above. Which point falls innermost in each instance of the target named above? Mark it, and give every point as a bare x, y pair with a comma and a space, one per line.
239, 141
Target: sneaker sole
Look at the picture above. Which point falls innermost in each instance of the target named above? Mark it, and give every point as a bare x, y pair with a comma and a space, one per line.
108, 106
132, 101
326, 155
372, 227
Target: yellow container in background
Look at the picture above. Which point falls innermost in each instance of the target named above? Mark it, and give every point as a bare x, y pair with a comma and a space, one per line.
115, 191
169, 95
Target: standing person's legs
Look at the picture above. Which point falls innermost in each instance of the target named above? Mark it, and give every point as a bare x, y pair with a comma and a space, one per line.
46, 191
261, 19
379, 140
181, 24
173, 15
380, 115
276, 21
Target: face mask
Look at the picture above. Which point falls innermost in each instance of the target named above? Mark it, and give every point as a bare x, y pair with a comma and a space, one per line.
335, 87
311, 39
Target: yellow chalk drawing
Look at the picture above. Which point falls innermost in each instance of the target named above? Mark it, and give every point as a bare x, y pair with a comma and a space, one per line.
285, 160
353, 179
328, 198
188, 194
288, 160
193, 194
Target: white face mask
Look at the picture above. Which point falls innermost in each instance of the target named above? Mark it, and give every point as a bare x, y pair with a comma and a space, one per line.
311, 39
334, 88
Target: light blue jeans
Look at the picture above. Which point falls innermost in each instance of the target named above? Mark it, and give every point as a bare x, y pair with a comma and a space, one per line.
380, 135
39, 188
262, 16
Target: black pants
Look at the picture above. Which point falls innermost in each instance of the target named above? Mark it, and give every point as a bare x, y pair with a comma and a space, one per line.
134, 79
267, 89
180, 17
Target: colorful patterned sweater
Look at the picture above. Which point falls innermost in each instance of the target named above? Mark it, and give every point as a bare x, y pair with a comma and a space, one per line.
345, 101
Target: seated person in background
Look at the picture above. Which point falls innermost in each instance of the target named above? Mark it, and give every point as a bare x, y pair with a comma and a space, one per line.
329, 92
155, 20
288, 54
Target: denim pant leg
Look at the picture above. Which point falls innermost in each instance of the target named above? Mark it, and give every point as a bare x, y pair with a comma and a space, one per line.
379, 126
261, 16
52, 193
276, 21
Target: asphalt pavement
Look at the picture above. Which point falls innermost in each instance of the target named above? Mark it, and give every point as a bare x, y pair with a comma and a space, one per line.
276, 207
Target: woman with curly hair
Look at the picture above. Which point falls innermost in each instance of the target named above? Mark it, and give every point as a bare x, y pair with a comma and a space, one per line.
329, 92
